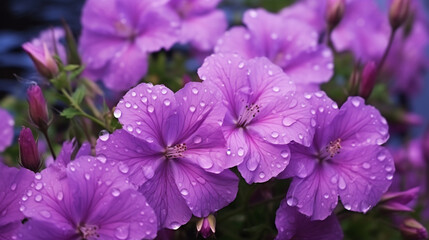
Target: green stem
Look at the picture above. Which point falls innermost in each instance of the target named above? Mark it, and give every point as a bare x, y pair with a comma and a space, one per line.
45, 133
83, 113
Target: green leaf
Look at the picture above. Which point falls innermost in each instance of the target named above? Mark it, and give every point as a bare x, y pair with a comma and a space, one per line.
60, 81
71, 67
70, 113
79, 94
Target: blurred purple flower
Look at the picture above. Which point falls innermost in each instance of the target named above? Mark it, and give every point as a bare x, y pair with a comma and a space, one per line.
344, 159
399, 201
291, 44
202, 24
175, 150
6, 126
118, 35
264, 114
291, 224
13, 183
41, 50
92, 200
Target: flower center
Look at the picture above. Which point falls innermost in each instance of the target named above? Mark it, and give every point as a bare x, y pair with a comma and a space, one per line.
332, 149
88, 231
250, 113
124, 30
175, 151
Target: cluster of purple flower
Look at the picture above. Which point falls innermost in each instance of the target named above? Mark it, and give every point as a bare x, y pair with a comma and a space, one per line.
258, 108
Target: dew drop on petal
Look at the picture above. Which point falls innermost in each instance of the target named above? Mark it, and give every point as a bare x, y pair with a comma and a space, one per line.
174, 225
205, 162
101, 158
389, 176
240, 152
167, 102
341, 183
117, 113
122, 232
291, 201
123, 168
287, 121
38, 198
261, 175
45, 214
192, 108
38, 176
194, 91
347, 207
60, 196
366, 165
116, 192
355, 102
13, 187
197, 139
381, 156
148, 172
275, 134
251, 164
184, 192
150, 108
104, 135
284, 154
276, 89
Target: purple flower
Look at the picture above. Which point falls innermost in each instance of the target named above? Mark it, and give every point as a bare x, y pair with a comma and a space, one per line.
6, 126
13, 183
202, 24
291, 44
344, 159
92, 200
264, 114
117, 37
42, 49
175, 150
291, 224
66, 154
399, 201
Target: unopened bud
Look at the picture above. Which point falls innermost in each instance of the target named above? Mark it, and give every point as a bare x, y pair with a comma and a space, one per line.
334, 12
28, 153
413, 230
42, 59
38, 109
369, 75
398, 13
397, 201
206, 226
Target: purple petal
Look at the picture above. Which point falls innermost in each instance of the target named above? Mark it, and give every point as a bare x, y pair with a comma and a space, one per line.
364, 174
263, 159
143, 111
357, 123
13, 184
41, 230
238, 41
100, 16
163, 196
201, 32
197, 123
10, 230
302, 161
293, 225
6, 134
236, 144
204, 192
141, 157
315, 195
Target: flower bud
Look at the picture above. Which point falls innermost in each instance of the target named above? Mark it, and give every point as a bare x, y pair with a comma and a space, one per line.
28, 153
334, 12
38, 109
42, 59
369, 75
413, 230
398, 13
397, 201
206, 226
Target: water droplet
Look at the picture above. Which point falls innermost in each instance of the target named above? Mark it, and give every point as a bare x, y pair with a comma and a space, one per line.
261, 175
148, 172
184, 192
192, 108
287, 121
104, 135
102, 158
300, 136
365, 207
197, 139
123, 168
39, 186
347, 207
313, 122
355, 102
284, 154
194, 91
240, 152
326, 196
366, 165
144, 99
241, 65
174, 225
381, 156
38, 198
389, 176
122, 232
87, 176
205, 162
116, 192
150, 108
228, 152
167, 102
276, 89
164, 91
38, 176
127, 104
13, 187
117, 113
341, 183
45, 214
275, 134
291, 201
251, 164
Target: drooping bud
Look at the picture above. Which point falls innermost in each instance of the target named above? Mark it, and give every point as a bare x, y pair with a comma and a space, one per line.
334, 12
28, 153
397, 201
413, 230
207, 226
42, 59
369, 75
38, 109
398, 13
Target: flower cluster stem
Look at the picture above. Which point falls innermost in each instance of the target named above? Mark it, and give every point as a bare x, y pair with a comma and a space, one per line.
48, 140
